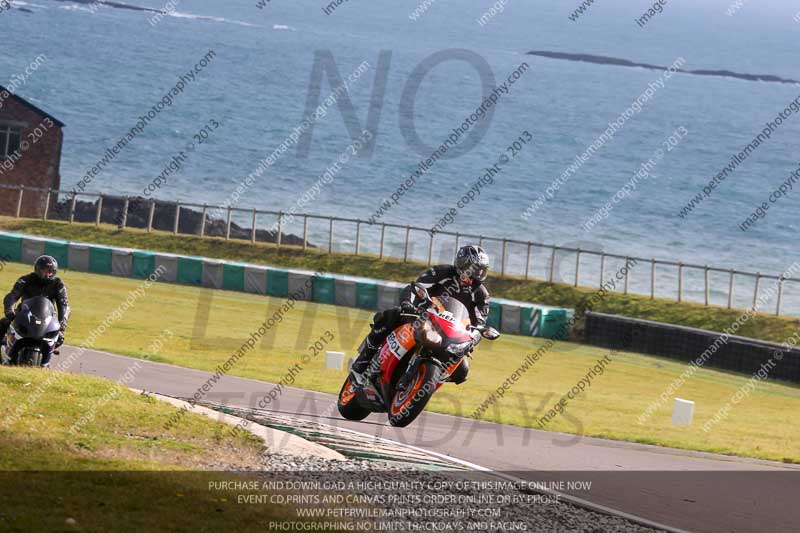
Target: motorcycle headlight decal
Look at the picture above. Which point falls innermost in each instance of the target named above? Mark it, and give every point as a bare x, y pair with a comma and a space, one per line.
457, 349
429, 335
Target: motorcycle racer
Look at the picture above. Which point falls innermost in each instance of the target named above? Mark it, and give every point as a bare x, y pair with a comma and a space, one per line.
463, 280
41, 282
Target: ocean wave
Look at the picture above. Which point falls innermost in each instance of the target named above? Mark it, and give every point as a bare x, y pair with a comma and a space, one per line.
93, 5
26, 4
76, 7
191, 16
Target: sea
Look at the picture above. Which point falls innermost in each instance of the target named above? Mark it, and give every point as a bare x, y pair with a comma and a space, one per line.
423, 69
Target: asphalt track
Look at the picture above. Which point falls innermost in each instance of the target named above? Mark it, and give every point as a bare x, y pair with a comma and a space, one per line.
692, 491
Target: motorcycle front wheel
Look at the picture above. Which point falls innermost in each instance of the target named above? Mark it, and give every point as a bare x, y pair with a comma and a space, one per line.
29, 357
408, 403
347, 403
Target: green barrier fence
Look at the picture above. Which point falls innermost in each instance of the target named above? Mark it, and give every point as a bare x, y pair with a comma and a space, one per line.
324, 289
366, 295
99, 260
233, 277
495, 315
277, 282
507, 316
529, 321
190, 270
553, 324
10, 248
59, 250
143, 264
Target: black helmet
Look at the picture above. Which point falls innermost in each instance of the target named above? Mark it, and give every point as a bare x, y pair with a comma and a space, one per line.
46, 267
472, 262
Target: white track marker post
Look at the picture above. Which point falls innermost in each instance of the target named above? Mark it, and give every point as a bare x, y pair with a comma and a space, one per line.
682, 412
334, 360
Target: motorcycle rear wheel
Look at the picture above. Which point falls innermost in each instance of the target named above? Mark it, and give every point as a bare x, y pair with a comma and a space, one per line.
408, 404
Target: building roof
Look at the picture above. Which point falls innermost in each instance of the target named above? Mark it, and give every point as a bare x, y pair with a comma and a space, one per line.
32, 107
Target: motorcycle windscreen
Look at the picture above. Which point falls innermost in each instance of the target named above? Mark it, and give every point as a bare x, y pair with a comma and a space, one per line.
452, 318
36, 318
454, 307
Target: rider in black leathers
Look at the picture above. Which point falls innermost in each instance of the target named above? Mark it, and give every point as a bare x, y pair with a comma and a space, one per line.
463, 281
41, 282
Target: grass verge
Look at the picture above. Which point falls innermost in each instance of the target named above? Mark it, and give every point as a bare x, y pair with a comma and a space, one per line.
762, 326
118, 469
206, 327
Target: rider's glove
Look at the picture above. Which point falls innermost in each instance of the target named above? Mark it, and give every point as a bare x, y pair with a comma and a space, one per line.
60, 339
408, 308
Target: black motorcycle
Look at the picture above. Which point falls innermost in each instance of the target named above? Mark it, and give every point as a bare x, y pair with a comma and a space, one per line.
33, 335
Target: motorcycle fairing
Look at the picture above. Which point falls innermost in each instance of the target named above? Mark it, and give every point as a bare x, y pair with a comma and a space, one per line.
396, 346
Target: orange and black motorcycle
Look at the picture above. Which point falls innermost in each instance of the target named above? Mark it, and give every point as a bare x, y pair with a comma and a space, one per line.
414, 361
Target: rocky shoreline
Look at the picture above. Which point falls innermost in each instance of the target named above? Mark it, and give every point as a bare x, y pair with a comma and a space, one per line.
189, 223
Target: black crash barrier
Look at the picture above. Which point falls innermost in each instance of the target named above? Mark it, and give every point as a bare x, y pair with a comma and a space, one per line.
738, 354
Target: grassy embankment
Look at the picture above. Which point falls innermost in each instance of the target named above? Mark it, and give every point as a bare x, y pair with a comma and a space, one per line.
118, 469
756, 426
762, 326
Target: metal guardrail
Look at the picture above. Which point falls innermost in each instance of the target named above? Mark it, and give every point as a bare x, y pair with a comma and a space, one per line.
517, 258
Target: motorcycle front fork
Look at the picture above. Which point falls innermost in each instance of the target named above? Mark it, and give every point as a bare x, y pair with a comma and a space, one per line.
5, 347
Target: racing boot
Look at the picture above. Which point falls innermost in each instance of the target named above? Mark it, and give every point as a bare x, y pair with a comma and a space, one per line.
362, 371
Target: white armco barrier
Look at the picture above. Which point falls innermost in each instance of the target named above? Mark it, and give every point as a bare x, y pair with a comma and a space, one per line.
334, 360
682, 412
